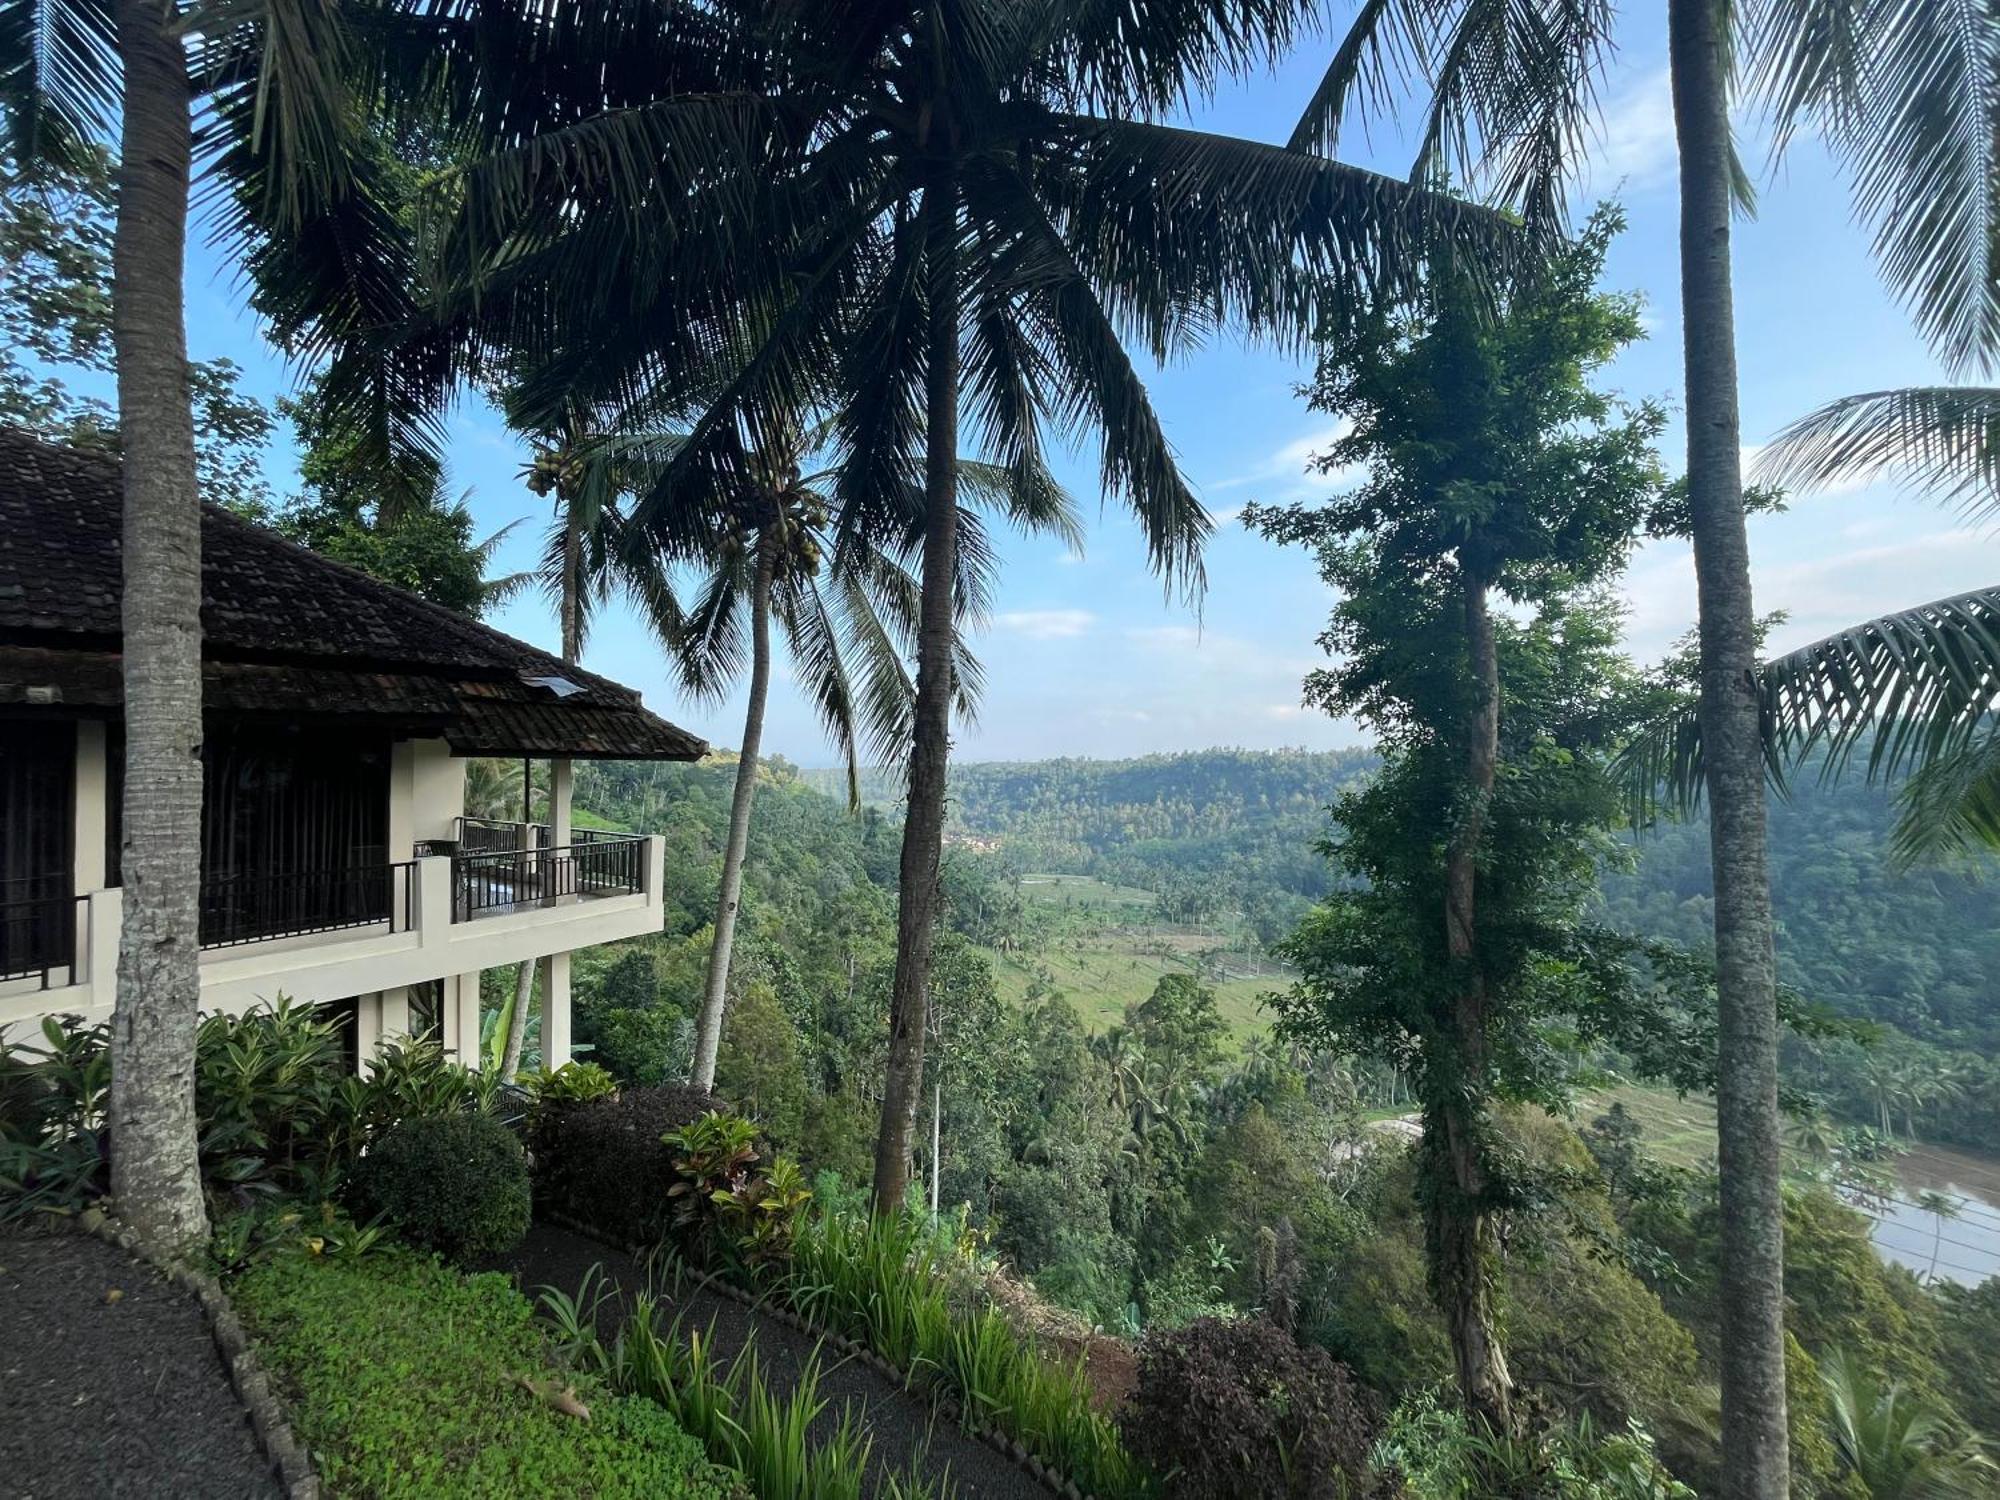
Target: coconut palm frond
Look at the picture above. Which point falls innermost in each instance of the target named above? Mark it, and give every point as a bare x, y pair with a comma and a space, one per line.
1906, 92
1906, 692
1944, 440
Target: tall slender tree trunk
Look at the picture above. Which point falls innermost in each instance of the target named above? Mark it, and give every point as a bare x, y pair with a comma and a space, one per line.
155, 1172
708, 1031
569, 609
1464, 1239
1755, 1449
923, 826
517, 1018
572, 586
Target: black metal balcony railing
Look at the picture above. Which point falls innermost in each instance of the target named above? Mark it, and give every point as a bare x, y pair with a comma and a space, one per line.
238, 909
498, 836
508, 880
43, 931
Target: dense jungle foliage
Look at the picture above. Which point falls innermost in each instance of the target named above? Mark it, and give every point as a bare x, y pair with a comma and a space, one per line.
1169, 1166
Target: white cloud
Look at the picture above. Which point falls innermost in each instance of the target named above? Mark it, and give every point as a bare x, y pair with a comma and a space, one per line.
1635, 139
1167, 637
1046, 624
1289, 474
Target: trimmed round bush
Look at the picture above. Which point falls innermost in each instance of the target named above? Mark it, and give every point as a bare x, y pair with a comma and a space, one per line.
1237, 1410
456, 1184
606, 1162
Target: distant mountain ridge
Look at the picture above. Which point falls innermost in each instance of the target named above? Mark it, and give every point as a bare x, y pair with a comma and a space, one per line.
1919, 948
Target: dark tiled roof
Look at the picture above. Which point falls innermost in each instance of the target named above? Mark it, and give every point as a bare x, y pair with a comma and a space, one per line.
285, 630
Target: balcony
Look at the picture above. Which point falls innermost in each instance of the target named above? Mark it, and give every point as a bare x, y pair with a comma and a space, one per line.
330, 934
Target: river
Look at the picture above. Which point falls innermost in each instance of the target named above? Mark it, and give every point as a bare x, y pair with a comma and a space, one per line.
1962, 1245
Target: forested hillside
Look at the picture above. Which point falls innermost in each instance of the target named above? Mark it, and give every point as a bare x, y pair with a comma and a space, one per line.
1111, 1141
1919, 949
1230, 831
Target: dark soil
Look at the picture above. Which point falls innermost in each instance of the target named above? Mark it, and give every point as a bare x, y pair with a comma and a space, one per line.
907, 1433
104, 1394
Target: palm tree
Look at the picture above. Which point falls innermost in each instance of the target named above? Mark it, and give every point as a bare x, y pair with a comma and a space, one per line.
84, 71
769, 564
1898, 1446
1908, 693
1903, 93
906, 214
1940, 1206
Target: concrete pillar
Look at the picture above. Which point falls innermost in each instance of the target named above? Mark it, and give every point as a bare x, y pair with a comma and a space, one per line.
426, 794
462, 1020
393, 1012
562, 783
107, 919
90, 814
367, 1028
402, 830
555, 1010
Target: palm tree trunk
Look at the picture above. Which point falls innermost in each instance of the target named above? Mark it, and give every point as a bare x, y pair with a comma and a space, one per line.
155, 1173
1755, 1449
517, 1019
708, 1031
570, 612
1463, 1236
572, 592
930, 750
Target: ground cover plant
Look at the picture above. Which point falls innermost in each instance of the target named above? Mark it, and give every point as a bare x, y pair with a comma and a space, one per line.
410, 1380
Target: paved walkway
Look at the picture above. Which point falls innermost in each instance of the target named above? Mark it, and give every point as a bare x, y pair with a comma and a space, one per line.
905, 1429
110, 1384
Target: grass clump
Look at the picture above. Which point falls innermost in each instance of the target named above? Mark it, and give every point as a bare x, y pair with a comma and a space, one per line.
406, 1379
884, 1283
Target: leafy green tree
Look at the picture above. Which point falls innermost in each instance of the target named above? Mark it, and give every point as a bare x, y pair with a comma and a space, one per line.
56, 233
1495, 468
1969, 1337
1902, 94
422, 542
909, 215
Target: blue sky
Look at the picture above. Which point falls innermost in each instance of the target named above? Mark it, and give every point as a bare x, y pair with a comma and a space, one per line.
1087, 656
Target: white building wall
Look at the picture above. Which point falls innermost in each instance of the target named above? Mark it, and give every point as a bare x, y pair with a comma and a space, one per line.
378, 963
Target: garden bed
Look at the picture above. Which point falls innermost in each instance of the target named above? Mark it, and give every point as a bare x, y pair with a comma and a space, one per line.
410, 1380
907, 1433
110, 1382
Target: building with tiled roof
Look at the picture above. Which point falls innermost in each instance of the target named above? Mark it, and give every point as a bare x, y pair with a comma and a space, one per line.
336, 865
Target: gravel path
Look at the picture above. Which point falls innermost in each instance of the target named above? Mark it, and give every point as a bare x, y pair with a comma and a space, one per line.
110, 1384
905, 1429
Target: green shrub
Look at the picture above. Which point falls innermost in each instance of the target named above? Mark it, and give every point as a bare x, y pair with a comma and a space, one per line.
404, 1377
277, 1110
606, 1162
760, 1221
1438, 1455
53, 1147
572, 1083
714, 1159
457, 1184
1229, 1408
